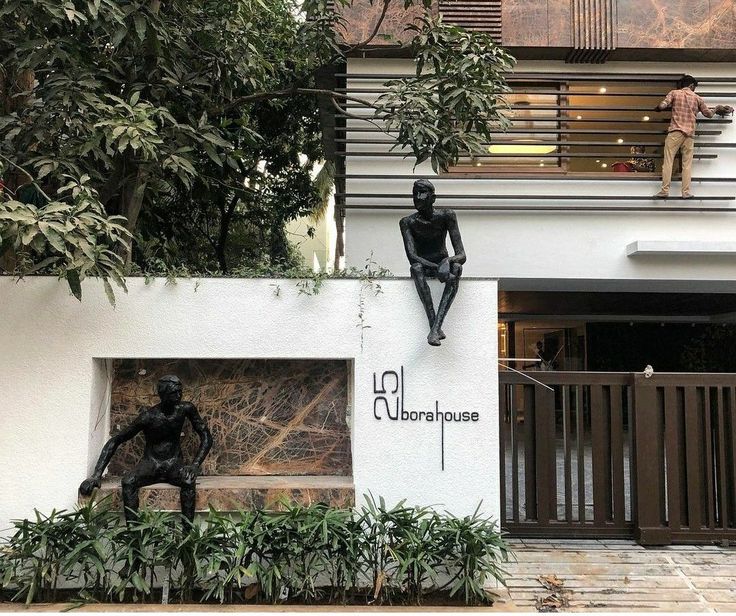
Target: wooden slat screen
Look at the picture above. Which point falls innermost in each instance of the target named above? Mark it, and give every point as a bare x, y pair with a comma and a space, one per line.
474, 15
594, 30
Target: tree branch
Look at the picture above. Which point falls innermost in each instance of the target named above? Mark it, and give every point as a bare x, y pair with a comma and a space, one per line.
373, 34
288, 92
7, 160
355, 116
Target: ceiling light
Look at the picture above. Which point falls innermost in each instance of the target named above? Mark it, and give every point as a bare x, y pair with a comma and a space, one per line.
541, 164
619, 140
646, 118
579, 117
598, 160
604, 165
602, 90
521, 148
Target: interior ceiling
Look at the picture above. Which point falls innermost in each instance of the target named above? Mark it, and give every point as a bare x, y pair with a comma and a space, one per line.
577, 303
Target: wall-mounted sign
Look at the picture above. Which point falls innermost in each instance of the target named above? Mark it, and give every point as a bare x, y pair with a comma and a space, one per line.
388, 403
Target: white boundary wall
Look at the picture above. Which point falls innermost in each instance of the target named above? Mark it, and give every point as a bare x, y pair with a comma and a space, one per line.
540, 247
54, 392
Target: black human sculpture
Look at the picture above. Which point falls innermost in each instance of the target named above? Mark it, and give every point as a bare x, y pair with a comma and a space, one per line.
425, 235
162, 461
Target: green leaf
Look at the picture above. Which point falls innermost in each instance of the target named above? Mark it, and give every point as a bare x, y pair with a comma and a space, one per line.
75, 285
109, 292
140, 26
52, 236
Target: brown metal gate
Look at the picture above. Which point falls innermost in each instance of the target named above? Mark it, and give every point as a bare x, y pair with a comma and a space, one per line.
619, 455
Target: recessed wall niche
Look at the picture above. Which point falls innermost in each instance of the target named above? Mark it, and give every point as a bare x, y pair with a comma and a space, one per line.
267, 416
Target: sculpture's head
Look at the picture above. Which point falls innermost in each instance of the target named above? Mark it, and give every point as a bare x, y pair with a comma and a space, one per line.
169, 388
423, 195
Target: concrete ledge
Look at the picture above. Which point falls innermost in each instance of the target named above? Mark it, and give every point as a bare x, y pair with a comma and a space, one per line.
230, 493
643, 248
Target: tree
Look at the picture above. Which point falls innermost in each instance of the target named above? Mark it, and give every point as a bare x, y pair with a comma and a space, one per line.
180, 107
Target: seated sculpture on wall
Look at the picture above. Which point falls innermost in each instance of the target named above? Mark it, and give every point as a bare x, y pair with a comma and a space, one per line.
162, 462
425, 235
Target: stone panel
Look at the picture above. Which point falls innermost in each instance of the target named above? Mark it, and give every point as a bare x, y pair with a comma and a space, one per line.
361, 16
723, 24
559, 23
664, 23
524, 23
236, 493
267, 417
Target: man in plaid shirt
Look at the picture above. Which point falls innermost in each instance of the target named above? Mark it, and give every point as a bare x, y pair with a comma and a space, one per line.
685, 105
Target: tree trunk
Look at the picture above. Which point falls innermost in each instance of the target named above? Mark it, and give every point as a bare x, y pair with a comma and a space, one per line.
131, 202
225, 220
278, 243
339, 240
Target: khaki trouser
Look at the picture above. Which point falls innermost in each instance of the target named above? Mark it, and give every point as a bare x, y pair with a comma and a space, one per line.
677, 140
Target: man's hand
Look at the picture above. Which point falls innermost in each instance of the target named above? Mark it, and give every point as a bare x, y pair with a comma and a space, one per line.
190, 472
88, 485
723, 110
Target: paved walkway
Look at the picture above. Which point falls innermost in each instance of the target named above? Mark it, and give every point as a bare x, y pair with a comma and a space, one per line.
619, 576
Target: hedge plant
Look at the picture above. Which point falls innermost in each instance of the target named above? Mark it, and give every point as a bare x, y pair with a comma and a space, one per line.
297, 554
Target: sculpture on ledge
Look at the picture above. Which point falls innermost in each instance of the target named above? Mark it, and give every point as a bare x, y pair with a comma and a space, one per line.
162, 426
425, 235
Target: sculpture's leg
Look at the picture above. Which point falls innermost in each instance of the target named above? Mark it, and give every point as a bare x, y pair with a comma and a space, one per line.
451, 287
420, 281
130, 497
187, 483
188, 498
142, 475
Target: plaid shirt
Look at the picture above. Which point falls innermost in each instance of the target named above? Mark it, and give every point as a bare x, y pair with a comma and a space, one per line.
685, 106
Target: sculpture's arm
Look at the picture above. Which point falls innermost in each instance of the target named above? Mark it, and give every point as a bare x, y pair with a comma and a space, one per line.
205, 436
108, 451
457, 241
411, 251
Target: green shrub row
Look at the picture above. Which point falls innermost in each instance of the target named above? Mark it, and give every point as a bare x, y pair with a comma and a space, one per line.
312, 554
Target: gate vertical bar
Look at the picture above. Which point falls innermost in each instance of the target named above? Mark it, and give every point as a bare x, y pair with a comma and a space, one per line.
567, 434
600, 455
530, 470
504, 438
709, 466
693, 452
544, 411
673, 455
617, 455
650, 528
580, 448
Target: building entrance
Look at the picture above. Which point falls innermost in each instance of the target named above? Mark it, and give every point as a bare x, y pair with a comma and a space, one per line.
628, 452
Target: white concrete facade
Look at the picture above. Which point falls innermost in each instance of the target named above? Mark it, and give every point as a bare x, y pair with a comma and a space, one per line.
55, 395
554, 249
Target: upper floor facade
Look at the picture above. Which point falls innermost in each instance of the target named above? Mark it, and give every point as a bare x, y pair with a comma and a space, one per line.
564, 199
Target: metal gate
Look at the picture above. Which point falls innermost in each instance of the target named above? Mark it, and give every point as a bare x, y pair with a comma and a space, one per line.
619, 455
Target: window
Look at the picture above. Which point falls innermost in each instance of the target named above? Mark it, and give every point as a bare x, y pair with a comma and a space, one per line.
578, 126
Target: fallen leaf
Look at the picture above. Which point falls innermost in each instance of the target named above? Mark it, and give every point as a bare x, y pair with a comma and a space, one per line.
551, 581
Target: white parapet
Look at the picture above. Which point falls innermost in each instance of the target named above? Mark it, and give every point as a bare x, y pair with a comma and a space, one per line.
55, 395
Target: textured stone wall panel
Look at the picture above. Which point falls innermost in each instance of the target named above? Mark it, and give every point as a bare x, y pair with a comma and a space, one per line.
267, 417
666, 23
